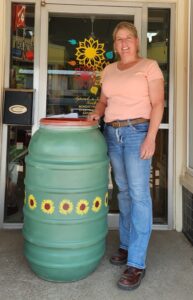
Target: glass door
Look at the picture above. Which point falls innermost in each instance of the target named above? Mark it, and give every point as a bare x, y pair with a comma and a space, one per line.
76, 44
159, 48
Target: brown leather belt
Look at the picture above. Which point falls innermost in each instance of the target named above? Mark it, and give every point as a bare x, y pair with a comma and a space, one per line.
124, 123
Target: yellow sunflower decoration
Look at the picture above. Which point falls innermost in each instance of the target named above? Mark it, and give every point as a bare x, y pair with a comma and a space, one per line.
82, 207
47, 206
96, 204
32, 202
106, 199
65, 207
94, 90
102, 65
90, 53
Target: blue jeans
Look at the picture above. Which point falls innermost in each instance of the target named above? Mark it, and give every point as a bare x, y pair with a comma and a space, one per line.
131, 174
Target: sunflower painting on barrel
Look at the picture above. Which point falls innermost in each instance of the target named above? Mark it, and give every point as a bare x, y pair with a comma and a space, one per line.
65, 207
82, 207
47, 206
96, 204
32, 202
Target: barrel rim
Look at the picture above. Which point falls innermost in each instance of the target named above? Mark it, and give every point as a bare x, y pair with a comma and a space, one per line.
68, 122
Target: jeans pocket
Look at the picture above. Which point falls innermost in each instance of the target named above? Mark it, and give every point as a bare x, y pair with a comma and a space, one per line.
142, 127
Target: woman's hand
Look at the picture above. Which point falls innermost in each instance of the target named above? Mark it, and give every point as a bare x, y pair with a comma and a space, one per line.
147, 148
93, 116
99, 110
156, 92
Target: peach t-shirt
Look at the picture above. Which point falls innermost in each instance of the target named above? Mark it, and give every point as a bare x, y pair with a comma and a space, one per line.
127, 91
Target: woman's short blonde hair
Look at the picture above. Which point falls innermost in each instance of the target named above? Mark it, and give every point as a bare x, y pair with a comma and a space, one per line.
125, 25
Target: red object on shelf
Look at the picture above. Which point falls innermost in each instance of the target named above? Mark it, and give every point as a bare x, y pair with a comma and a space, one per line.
20, 16
29, 55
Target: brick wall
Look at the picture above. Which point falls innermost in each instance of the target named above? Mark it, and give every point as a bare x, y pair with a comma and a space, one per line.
187, 214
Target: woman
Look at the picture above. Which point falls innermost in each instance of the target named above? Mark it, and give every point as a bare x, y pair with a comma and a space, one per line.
132, 102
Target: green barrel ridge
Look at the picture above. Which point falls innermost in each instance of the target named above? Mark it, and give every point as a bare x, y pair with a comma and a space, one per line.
66, 200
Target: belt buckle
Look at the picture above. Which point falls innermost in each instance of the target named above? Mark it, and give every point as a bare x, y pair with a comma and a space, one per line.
116, 124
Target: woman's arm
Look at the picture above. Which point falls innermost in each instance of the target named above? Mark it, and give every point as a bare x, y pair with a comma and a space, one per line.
99, 109
156, 93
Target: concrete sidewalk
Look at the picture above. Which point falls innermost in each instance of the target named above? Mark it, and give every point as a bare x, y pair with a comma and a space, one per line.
169, 273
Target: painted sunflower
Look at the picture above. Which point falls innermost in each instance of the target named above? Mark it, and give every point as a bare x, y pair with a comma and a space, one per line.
102, 65
47, 206
82, 207
96, 204
65, 207
32, 202
90, 52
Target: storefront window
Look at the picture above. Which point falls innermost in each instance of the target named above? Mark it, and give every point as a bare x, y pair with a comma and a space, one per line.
158, 48
22, 46
76, 58
21, 80
17, 147
159, 178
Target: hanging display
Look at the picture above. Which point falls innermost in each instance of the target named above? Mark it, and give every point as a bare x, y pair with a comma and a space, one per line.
20, 16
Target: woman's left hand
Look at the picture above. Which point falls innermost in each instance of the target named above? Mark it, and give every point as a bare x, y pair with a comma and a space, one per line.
147, 148
156, 92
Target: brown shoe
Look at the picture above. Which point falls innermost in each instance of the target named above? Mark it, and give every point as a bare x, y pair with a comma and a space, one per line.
119, 258
131, 278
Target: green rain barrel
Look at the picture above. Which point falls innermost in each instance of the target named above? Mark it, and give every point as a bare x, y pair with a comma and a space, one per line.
66, 200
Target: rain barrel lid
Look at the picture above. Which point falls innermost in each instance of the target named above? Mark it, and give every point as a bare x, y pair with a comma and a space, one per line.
68, 122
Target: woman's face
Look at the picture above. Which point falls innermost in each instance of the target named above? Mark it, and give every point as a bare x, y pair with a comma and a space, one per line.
126, 44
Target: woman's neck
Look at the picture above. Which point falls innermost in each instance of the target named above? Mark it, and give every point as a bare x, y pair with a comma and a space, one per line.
127, 63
